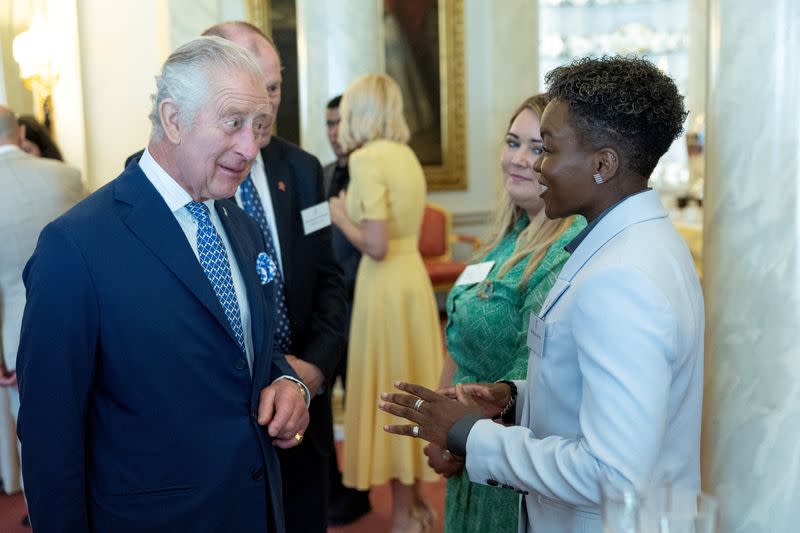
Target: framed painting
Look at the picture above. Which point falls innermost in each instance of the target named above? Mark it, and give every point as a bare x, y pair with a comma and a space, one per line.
423, 42
424, 45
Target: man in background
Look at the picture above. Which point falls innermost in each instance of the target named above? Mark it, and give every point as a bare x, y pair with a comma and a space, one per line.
152, 396
347, 505
285, 182
35, 191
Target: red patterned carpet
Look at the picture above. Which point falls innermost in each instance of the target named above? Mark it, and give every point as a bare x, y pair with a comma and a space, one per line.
12, 508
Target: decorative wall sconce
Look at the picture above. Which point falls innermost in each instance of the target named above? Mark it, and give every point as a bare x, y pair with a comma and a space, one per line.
33, 51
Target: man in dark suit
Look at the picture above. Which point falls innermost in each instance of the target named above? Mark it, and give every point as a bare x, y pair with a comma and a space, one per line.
284, 182
152, 398
347, 505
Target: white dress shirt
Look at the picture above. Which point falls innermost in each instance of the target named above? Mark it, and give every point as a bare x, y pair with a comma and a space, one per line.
177, 198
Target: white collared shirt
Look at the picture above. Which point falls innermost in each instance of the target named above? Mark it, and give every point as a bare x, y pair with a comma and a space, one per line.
177, 198
259, 175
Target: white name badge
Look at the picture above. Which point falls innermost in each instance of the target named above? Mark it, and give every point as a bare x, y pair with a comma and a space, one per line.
316, 217
536, 335
475, 273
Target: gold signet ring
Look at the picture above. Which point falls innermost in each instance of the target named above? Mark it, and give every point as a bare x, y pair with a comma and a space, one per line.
298, 437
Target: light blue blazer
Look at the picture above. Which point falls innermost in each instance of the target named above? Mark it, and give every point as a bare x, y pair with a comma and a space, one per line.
618, 388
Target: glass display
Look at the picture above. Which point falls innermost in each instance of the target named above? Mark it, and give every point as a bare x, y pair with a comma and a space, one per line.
655, 29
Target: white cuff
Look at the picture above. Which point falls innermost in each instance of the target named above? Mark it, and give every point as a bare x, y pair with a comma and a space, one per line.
307, 394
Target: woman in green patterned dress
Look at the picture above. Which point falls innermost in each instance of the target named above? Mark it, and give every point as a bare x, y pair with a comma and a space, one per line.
488, 321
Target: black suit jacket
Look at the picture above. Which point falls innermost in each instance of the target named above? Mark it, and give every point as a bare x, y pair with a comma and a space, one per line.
313, 278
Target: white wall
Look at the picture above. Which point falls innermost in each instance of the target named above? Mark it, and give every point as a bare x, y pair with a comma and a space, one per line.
15, 16
69, 128
337, 42
122, 46
189, 18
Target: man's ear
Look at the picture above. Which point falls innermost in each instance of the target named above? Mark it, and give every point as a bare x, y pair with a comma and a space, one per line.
22, 131
169, 115
606, 163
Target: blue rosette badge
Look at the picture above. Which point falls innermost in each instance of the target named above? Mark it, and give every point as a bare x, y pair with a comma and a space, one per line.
266, 268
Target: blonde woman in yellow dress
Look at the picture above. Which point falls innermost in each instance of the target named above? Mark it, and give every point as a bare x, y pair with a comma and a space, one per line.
395, 332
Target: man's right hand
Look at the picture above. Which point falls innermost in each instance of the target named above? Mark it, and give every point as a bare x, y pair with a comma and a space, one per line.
491, 397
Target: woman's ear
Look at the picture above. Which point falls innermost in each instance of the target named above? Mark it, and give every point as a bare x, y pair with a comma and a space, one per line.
169, 114
606, 163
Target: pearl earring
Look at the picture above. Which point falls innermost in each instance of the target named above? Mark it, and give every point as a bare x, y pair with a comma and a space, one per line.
598, 179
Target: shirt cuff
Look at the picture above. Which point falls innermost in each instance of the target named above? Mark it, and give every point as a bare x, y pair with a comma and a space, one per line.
457, 435
306, 393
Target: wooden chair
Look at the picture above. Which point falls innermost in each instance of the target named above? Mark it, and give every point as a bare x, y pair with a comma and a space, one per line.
435, 246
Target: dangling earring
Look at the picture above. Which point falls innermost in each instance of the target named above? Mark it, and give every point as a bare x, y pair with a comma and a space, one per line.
598, 179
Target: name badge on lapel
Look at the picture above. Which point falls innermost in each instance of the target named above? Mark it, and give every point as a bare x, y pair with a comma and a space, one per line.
536, 335
316, 217
475, 273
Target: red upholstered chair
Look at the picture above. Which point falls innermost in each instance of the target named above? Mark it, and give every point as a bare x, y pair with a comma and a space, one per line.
435, 241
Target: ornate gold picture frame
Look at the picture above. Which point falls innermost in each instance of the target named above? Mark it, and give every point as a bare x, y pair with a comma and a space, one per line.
424, 51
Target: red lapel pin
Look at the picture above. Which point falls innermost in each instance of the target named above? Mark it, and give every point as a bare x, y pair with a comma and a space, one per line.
281, 186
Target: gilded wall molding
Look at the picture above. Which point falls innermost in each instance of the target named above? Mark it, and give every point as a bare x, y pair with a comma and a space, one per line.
451, 174
257, 12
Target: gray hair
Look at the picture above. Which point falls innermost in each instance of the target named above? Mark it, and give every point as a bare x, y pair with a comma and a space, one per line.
9, 129
186, 75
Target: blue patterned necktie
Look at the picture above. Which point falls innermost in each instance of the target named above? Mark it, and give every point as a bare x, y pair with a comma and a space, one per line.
251, 202
214, 260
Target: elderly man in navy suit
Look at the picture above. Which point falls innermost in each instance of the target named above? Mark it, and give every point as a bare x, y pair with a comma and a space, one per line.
152, 398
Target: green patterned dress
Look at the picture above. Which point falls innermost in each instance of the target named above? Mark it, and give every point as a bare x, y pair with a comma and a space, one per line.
486, 336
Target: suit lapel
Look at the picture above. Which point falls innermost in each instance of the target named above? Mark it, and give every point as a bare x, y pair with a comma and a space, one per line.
637, 208
152, 222
245, 255
280, 188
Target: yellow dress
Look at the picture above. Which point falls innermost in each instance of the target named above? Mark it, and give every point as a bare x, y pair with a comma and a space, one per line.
395, 332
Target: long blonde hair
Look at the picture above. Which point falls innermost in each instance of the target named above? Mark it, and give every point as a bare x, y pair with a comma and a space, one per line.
371, 108
541, 232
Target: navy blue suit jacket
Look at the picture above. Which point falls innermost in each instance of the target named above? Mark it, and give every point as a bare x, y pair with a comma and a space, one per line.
137, 405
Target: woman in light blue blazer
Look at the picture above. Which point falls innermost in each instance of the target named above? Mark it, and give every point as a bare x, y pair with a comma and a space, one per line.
615, 371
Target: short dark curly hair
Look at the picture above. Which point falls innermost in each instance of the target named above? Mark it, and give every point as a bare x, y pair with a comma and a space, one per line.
626, 103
